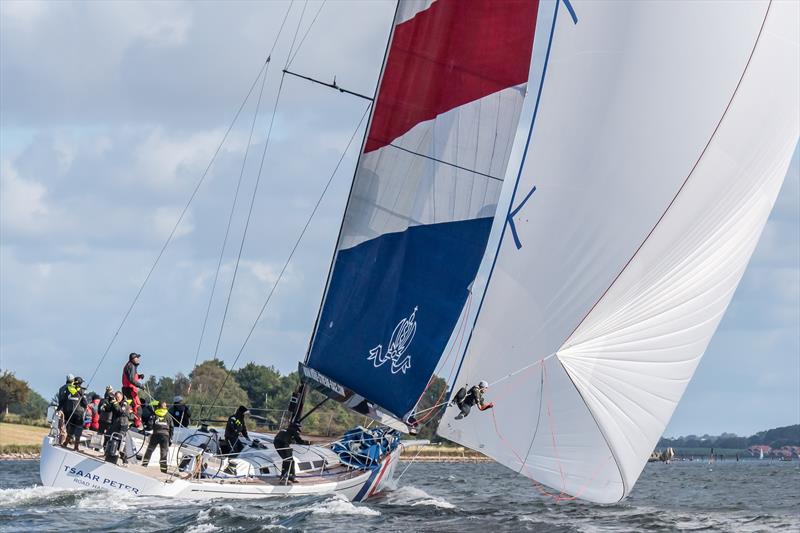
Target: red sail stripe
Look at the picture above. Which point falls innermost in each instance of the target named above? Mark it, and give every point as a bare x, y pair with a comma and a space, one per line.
450, 54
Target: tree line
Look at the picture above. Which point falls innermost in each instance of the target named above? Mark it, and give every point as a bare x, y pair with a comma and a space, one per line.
214, 393
774, 438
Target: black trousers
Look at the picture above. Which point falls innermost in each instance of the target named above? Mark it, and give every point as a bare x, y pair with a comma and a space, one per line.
232, 450
161, 440
287, 468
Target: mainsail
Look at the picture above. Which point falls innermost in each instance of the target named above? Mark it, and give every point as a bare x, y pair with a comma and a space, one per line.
661, 138
423, 199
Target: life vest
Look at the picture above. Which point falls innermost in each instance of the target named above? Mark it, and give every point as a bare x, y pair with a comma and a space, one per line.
160, 421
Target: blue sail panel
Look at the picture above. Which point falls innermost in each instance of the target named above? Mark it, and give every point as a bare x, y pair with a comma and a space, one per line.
391, 306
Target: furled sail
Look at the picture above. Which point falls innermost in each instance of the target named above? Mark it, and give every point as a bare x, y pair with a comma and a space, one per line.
661, 138
423, 199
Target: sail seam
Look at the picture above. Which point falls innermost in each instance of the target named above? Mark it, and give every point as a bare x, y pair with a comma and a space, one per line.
685, 181
459, 167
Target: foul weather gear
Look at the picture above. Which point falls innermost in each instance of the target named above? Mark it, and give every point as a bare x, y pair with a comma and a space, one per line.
235, 427
181, 414
161, 423
130, 388
283, 445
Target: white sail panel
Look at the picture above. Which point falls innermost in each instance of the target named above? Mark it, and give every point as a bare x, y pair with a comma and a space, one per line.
633, 94
405, 184
633, 356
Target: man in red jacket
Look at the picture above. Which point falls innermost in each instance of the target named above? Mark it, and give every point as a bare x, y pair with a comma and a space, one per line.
131, 383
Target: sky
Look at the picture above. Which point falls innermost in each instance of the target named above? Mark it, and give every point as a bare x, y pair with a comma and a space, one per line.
110, 113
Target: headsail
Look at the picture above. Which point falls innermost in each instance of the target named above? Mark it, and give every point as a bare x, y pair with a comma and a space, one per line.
662, 136
423, 198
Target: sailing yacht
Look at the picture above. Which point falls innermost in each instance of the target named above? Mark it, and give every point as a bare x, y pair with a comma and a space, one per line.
415, 228
658, 139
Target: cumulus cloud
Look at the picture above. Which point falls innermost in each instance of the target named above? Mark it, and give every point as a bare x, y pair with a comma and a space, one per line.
24, 208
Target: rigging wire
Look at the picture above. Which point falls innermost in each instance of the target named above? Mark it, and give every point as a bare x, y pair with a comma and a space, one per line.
236, 195
250, 212
291, 254
174, 228
308, 30
296, 31
252, 197
230, 221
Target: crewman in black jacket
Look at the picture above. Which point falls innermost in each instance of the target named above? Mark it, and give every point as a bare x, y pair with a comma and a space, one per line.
231, 445
283, 445
121, 421
73, 405
181, 414
161, 424
106, 414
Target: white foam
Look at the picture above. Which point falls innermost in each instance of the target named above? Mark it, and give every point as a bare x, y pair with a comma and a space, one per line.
203, 528
15, 496
412, 496
339, 505
205, 514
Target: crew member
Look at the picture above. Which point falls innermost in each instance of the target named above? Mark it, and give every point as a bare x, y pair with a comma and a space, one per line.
73, 406
131, 383
231, 445
466, 399
181, 413
161, 424
283, 445
60, 398
106, 414
92, 417
147, 413
122, 415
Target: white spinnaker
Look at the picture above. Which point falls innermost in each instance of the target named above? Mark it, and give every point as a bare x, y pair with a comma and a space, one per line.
630, 254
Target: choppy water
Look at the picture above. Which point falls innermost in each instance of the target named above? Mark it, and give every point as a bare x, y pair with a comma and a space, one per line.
728, 496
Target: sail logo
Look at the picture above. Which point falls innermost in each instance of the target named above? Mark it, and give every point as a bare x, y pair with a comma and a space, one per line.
401, 339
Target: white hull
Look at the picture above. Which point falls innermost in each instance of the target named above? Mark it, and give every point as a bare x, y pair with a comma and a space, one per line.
64, 468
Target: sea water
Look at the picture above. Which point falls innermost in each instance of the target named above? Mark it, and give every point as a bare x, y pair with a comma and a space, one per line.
683, 496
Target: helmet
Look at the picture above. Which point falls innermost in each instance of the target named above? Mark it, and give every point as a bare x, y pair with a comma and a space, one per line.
483, 385
177, 399
70, 377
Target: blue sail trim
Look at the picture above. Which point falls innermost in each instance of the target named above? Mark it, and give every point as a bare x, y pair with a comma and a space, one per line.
391, 306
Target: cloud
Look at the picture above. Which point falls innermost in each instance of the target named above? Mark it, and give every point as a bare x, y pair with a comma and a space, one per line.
23, 207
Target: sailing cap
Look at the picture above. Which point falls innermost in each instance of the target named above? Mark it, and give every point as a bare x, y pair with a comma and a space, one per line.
70, 377
177, 399
133, 355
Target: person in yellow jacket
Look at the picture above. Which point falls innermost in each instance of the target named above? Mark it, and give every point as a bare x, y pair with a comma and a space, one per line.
161, 424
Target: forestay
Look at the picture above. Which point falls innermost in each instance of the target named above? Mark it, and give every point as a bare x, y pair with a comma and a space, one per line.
423, 198
660, 142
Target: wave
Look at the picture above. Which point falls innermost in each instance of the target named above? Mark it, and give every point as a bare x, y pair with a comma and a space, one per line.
39, 494
339, 505
408, 495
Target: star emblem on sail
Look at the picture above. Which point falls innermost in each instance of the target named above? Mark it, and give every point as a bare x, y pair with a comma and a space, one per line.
401, 339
